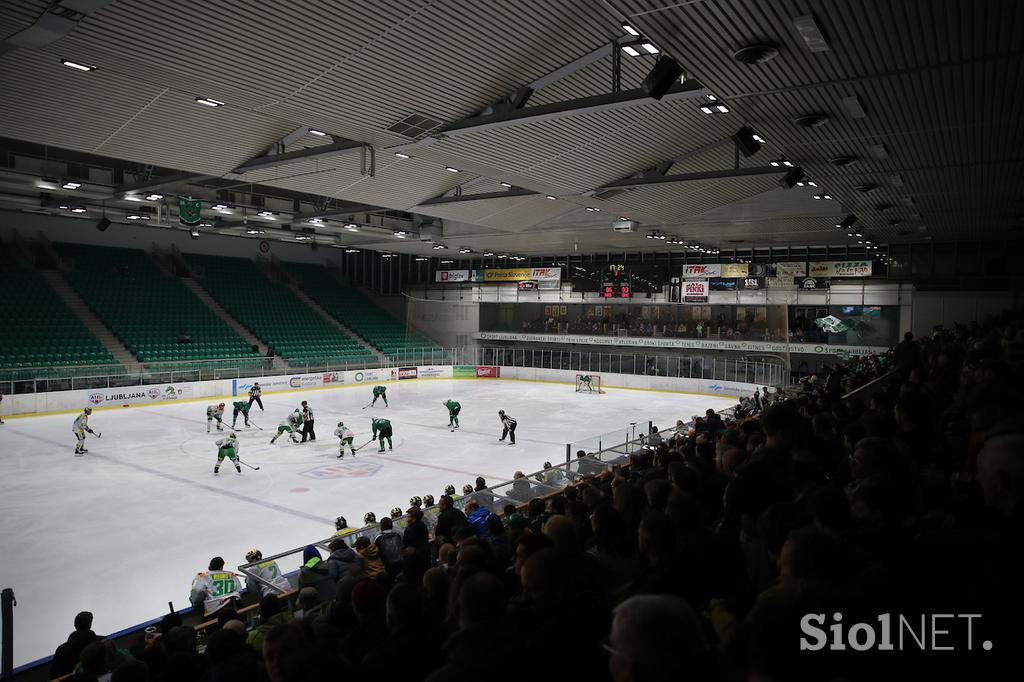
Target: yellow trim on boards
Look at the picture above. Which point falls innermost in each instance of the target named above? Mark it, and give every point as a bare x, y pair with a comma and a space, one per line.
334, 386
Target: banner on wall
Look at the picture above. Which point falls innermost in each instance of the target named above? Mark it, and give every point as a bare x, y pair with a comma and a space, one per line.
812, 283
706, 270
852, 268
135, 395
791, 269
408, 372
695, 291
751, 283
367, 375
521, 274
435, 371
334, 378
487, 372
722, 284
734, 270
453, 276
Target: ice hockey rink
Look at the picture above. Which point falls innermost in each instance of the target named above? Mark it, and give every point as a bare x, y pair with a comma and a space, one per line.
122, 531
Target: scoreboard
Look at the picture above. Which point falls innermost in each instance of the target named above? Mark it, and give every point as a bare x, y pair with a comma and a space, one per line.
616, 282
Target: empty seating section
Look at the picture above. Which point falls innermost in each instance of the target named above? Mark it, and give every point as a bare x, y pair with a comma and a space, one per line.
353, 309
39, 330
273, 312
146, 308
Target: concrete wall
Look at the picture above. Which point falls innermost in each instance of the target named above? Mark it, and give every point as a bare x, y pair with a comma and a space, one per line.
948, 307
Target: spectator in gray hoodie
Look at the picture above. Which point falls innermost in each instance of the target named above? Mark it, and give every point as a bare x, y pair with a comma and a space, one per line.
343, 560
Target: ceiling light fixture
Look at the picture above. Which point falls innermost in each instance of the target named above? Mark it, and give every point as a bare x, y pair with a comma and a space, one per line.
135, 217
78, 209
318, 133
747, 141
400, 234
154, 197
351, 250
452, 170
77, 66
254, 230
420, 259
651, 49
781, 162
71, 184
207, 102
352, 227
219, 207
629, 29
505, 184
465, 250
488, 254
401, 155
552, 197
716, 107
631, 51
593, 209
266, 214
847, 222
793, 178
316, 221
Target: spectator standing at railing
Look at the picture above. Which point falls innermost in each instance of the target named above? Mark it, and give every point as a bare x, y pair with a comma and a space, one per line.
67, 654
449, 521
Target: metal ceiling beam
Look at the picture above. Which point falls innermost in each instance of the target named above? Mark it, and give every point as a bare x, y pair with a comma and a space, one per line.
462, 198
160, 182
340, 211
693, 177
576, 107
323, 151
58, 20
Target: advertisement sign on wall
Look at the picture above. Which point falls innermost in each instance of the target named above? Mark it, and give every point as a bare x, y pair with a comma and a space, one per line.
464, 371
407, 372
702, 270
853, 268
487, 372
791, 269
334, 378
721, 284
367, 375
812, 283
520, 274
135, 395
433, 371
452, 276
695, 291
751, 283
734, 270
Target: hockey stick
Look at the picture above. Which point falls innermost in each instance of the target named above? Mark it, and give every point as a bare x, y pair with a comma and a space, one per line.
251, 423
365, 444
249, 465
98, 435
368, 404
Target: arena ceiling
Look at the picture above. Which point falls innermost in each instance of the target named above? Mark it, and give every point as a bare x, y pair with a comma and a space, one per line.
921, 136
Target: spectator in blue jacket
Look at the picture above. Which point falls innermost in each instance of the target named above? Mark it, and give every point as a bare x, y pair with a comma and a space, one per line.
476, 517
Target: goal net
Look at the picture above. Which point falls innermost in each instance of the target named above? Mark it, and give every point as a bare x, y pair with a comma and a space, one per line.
589, 383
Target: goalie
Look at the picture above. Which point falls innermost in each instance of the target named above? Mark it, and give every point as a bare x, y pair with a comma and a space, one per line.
585, 383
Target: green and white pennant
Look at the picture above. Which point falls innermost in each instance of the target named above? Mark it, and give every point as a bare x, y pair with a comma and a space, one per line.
189, 210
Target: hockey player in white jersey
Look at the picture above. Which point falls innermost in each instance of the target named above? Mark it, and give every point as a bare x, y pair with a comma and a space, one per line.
215, 588
270, 573
228, 447
80, 428
215, 412
346, 436
291, 425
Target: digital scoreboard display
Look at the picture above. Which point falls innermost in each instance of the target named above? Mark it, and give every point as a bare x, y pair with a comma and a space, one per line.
616, 283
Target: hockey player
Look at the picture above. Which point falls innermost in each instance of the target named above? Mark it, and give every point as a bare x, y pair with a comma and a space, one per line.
586, 382
380, 392
215, 588
255, 393
341, 526
508, 427
269, 571
228, 447
346, 436
79, 428
383, 428
215, 412
241, 407
292, 425
453, 413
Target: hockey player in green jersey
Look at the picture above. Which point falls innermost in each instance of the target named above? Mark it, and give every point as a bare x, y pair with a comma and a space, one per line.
346, 436
381, 429
453, 413
241, 407
215, 412
586, 383
292, 425
380, 392
228, 447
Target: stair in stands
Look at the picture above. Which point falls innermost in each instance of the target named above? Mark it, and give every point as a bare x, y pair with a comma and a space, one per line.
205, 297
78, 306
327, 316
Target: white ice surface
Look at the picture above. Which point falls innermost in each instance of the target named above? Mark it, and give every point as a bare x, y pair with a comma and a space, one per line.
122, 530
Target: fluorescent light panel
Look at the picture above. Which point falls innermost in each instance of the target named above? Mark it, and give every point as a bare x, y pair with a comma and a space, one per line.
77, 66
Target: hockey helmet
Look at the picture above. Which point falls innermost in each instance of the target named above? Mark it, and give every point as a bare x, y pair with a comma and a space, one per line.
369, 517
547, 465
340, 424
449, 489
88, 410
415, 501
501, 413
396, 513
221, 405
232, 435
428, 500
340, 523
467, 489
253, 555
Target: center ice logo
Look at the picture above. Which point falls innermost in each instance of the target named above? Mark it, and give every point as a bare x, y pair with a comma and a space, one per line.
359, 469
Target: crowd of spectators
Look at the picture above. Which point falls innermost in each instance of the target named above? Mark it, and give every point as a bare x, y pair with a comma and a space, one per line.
699, 559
